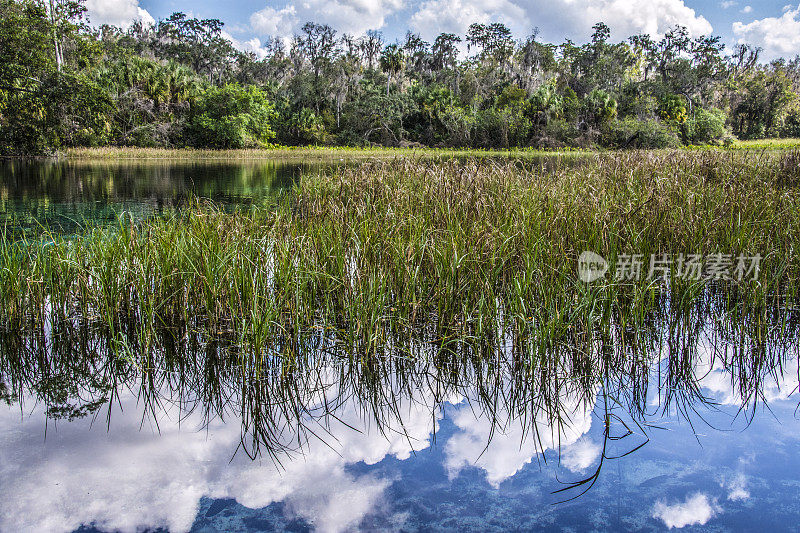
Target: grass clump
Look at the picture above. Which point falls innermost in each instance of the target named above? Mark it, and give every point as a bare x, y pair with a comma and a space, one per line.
397, 245
391, 276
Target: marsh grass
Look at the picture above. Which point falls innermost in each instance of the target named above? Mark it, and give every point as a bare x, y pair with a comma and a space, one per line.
767, 144
394, 246
454, 276
303, 153
306, 153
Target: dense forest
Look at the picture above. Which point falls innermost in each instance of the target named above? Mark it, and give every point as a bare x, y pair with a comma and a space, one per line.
179, 82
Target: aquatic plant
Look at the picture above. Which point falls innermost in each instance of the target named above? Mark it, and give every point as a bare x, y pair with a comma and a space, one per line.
371, 281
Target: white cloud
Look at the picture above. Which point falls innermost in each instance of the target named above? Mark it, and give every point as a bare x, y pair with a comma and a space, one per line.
727, 4
747, 9
252, 45
737, 488
351, 16
501, 454
120, 13
696, 510
129, 479
778, 36
581, 455
274, 22
455, 16
559, 18
715, 378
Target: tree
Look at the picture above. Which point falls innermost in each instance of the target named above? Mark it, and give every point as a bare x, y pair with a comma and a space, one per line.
45, 100
392, 60
764, 96
181, 82
194, 42
371, 45
494, 41
318, 44
600, 108
232, 116
417, 53
445, 51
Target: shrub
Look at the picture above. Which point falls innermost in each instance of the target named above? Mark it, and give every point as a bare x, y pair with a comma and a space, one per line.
791, 126
558, 132
672, 109
232, 116
459, 123
600, 107
706, 126
633, 133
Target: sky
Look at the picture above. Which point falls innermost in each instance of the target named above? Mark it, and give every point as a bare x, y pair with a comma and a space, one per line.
774, 25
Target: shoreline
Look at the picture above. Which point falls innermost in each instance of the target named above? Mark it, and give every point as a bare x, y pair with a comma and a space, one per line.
291, 152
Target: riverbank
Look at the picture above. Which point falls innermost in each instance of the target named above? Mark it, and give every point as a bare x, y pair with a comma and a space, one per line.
329, 152
292, 153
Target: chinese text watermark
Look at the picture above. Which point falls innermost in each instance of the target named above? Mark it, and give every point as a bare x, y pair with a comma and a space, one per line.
693, 267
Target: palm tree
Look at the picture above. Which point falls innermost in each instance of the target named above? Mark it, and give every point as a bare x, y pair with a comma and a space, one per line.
392, 60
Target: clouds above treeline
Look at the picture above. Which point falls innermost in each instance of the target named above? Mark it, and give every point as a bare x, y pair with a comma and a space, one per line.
778, 36
555, 19
120, 13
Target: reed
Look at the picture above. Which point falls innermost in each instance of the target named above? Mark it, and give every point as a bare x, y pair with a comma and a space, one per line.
417, 280
398, 245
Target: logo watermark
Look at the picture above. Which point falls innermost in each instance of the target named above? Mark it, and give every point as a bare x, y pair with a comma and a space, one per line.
693, 267
591, 267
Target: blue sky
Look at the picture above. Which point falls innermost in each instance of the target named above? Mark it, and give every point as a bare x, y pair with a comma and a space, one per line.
772, 24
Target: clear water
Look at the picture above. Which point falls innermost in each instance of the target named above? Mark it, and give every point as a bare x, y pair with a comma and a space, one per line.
716, 462
731, 471
67, 196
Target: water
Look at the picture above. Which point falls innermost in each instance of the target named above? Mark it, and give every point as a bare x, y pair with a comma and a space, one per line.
706, 438
66, 196
180, 470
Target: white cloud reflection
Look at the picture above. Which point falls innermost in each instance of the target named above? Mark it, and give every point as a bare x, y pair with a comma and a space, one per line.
697, 509
127, 479
510, 450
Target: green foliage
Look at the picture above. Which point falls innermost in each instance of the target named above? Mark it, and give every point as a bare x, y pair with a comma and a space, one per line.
635, 101
397, 247
600, 108
459, 124
232, 116
672, 109
45, 101
791, 125
193, 42
511, 96
631, 132
761, 100
181, 83
546, 104
150, 99
375, 116
706, 126
392, 60
299, 128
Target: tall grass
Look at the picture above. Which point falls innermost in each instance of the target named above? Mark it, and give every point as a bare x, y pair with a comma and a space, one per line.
455, 275
401, 244
296, 152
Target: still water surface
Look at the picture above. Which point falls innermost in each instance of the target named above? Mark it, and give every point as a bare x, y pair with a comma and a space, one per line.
151, 460
66, 196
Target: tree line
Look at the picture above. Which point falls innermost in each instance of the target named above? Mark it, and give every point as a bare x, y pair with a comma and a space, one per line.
179, 82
